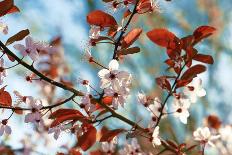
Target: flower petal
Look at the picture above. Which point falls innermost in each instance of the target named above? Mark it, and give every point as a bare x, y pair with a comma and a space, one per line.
113, 65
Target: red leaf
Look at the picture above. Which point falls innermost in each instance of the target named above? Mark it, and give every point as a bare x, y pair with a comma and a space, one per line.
17, 37
13, 10
5, 6
100, 18
131, 50
164, 38
131, 37
107, 135
62, 112
5, 98
193, 71
72, 117
182, 83
204, 58
63, 115
202, 32
163, 83
88, 139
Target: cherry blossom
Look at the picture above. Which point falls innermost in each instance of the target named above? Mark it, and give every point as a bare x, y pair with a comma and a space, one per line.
3, 28
195, 90
109, 76
2, 71
155, 108
180, 108
56, 130
94, 32
31, 48
86, 103
20, 98
133, 148
4, 128
35, 115
155, 137
118, 93
143, 99
108, 147
204, 136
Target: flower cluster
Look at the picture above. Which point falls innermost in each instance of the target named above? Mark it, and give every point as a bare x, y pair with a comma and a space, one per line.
115, 83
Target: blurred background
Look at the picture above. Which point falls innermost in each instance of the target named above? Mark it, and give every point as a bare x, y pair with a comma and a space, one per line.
48, 19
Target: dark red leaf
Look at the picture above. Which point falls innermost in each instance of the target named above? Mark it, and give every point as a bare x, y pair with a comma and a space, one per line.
202, 32
127, 51
100, 18
5, 6
131, 37
182, 83
164, 38
62, 112
163, 83
107, 135
5, 98
70, 117
17, 37
88, 139
193, 71
204, 58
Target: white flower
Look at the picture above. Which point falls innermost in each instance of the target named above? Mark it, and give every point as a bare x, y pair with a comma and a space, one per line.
195, 90
133, 148
3, 28
204, 136
155, 108
119, 94
109, 76
155, 137
143, 99
2, 71
56, 130
35, 115
225, 133
4, 128
31, 48
94, 32
108, 148
180, 108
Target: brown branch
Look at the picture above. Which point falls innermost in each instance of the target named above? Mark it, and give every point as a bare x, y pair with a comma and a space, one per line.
169, 94
44, 107
39, 74
117, 44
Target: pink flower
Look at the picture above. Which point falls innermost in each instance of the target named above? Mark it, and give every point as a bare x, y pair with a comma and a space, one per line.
3, 28
31, 48
108, 147
143, 99
180, 108
119, 94
56, 130
86, 103
4, 128
133, 148
94, 32
35, 115
2, 71
109, 76
204, 136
